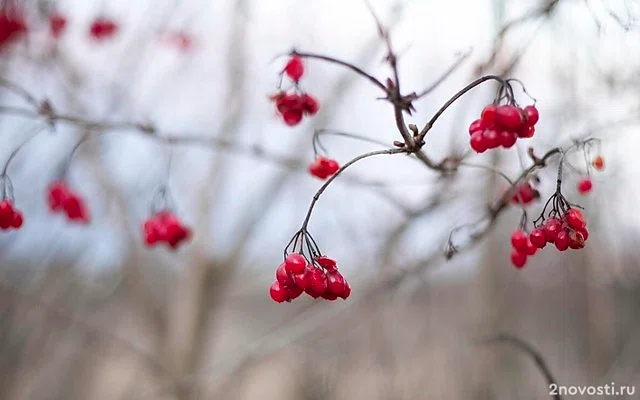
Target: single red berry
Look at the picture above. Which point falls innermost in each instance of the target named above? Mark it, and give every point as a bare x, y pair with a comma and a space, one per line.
527, 131
335, 282
12, 27
57, 25
584, 232
17, 220
476, 126
477, 142
551, 229
488, 115
507, 139
491, 138
329, 296
310, 104
57, 194
283, 276
323, 167
295, 263
531, 249
519, 240
532, 115
294, 68
347, 290
302, 280
509, 117
585, 185
575, 219
598, 163
312, 293
518, 259
538, 238
318, 281
102, 28
278, 292
576, 240
292, 117
6, 214
562, 240
293, 292
326, 262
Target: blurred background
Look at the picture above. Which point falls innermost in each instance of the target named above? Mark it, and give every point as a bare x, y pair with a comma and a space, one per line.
88, 312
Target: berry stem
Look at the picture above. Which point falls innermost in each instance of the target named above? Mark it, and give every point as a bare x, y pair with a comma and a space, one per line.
455, 97
334, 176
316, 138
350, 66
31, 135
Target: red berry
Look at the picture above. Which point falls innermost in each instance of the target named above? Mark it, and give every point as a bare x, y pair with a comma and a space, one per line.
302, 280
292, 117
6, 214
326, 262
551, 229
103, 28
532, 115
488, 116
584, 232
318, 281
335, 282
278, 292
295, 263
598, 163
329, 296
585, 185
527, 131
476, 126
57, 194
346, 292
12, 26
518, 259
491, 138
507, 139
508, 117
310, 104
294, 292
309, 290
576, 240
17, 220
294, 68
562, 240
477, 142
537, 238
323, 167
519, 240
575, 219
531, 249
283, 276
57, 24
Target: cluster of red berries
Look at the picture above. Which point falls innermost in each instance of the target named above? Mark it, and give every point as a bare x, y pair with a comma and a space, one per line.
525, 194
62, 199
165, 227
318, 279
569, 231
294, 105
323, 167
10, 217
12, 26
501, 126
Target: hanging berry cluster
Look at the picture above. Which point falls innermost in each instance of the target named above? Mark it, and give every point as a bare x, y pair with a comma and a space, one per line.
165, 227
323, 167
502, 126
315, 275
62, 199
10, 217
292, 105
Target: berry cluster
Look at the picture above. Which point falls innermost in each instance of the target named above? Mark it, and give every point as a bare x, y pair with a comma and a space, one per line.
568, 231
165, 227
319, 278
323, 167
501, 126
10, 217
525, 194
62, 199
294, 105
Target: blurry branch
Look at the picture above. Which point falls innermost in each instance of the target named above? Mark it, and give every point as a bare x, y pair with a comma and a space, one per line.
61, 315
543, 11
531, 352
